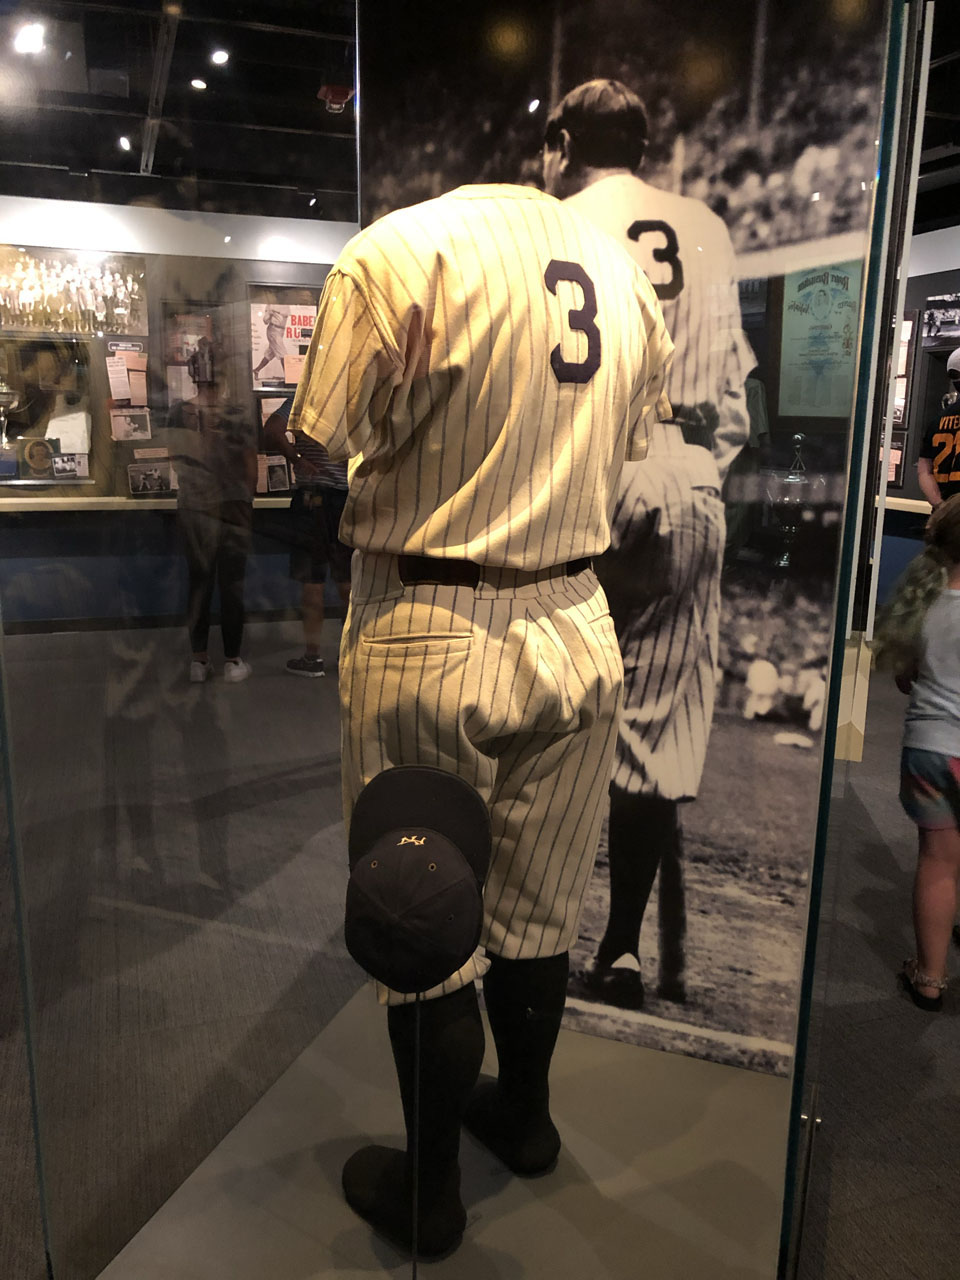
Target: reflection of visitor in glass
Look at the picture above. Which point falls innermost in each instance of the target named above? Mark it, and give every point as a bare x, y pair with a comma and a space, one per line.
213, 447
916, 639
316, 549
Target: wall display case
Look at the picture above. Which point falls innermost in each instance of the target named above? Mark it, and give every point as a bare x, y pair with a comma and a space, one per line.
100, 398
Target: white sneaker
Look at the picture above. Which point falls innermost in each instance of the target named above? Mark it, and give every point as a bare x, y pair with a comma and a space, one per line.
199, 672
235, 671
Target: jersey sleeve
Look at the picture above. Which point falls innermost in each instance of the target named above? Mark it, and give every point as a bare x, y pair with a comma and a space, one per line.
350, 372
649, 402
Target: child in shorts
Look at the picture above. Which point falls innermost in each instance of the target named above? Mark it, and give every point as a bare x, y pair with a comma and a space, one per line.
918, 639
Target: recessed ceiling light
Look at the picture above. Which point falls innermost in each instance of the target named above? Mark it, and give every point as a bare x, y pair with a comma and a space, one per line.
312, 201
534, 103
125, 144
29, 38
219, 57
227, 239
198, 84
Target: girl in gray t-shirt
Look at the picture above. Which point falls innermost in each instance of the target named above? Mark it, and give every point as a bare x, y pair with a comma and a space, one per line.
918, 639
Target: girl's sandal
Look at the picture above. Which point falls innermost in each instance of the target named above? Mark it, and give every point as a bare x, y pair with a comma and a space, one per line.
912, 978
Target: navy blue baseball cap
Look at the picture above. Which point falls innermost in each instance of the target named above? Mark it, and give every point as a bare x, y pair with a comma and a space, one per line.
419, 849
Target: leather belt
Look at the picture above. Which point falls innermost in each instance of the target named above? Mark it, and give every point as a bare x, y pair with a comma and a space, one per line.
465, 573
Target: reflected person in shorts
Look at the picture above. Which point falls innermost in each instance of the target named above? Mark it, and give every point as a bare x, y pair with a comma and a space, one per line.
319, 496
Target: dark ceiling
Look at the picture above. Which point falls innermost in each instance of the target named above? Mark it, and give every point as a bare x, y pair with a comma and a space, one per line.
256, 139
938, 188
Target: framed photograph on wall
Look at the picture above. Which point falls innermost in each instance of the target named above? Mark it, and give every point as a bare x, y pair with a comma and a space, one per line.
186, 324
130, 424
941, 319
156, 477
61, 291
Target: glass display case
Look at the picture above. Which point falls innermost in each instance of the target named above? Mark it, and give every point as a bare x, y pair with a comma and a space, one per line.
198, 1054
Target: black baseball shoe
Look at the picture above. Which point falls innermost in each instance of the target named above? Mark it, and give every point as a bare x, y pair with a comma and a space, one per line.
619, 984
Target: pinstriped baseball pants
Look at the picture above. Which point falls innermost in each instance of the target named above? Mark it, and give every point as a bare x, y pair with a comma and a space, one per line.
515, 688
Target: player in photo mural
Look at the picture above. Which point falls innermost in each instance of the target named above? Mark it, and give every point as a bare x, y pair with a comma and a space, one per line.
723, 150
662, 571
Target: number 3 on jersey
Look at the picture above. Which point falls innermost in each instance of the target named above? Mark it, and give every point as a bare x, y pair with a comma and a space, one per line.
668, 252
582, 319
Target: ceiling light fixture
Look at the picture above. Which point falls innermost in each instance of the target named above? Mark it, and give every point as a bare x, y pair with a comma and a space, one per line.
227, 239
534, 103
29, 38
219, 57
312, 201
125, 143
198, 84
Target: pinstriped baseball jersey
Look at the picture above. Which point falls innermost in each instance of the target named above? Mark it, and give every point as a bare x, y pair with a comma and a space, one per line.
494, 357
685, 250
662, 579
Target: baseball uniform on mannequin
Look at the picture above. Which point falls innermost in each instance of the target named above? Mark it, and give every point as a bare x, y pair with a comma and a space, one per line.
494, 359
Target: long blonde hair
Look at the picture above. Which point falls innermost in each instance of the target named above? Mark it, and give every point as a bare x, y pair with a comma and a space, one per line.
898, 635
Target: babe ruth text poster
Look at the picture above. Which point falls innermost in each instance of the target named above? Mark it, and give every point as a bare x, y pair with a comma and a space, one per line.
731, 149
818, 343
278, 334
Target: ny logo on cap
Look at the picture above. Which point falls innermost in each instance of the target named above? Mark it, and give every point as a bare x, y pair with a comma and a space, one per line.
411, 840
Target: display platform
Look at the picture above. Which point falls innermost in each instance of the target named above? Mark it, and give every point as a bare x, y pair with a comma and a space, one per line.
668, 1159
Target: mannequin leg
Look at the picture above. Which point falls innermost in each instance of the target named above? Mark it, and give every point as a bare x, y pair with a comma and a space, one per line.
377, 1180
511, 1117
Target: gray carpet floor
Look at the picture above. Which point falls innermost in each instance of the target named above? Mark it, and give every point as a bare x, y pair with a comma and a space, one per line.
21, 1237
885, 1176
183, 851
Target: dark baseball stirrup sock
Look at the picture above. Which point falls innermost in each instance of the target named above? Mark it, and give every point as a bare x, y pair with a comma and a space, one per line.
672, 920
640, 831
511, 1116
377, 1180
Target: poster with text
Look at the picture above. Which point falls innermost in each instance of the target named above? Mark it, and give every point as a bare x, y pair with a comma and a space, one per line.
818, 352
278, 334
